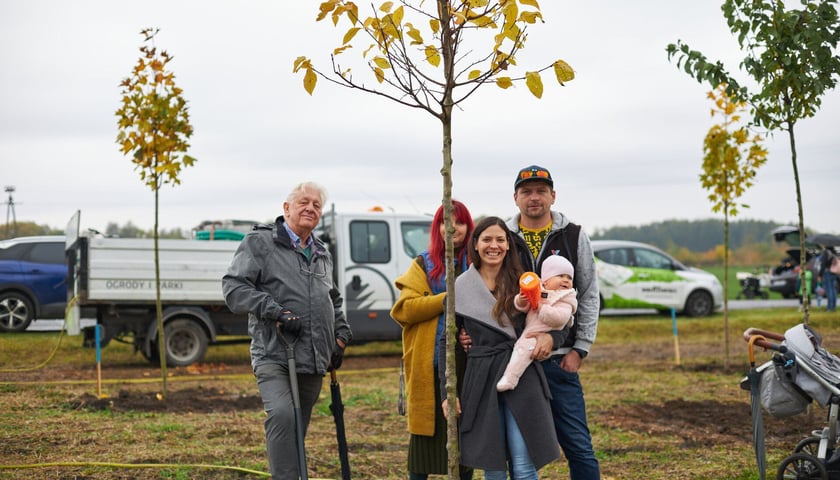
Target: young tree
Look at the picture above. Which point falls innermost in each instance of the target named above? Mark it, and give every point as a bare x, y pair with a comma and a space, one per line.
415, 53
731, 158
791, 54
154, 126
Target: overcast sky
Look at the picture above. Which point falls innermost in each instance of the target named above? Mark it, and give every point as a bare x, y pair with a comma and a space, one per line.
623, 140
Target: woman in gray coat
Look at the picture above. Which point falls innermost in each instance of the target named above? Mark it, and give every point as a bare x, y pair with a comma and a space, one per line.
515, 426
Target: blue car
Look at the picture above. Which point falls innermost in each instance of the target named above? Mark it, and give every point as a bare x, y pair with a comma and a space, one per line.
33, 281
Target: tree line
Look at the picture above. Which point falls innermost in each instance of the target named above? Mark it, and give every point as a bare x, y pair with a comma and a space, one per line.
700, 242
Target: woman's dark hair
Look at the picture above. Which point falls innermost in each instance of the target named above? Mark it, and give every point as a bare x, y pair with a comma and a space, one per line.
507, 280
437, 247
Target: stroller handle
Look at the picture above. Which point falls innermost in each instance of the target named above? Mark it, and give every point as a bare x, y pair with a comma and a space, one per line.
751, 332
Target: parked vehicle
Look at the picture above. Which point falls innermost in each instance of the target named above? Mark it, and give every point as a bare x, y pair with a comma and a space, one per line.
32, 281
784, 277
637, 275
116, 277
752, 285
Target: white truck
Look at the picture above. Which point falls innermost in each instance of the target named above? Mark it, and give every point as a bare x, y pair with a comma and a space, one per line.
115, 277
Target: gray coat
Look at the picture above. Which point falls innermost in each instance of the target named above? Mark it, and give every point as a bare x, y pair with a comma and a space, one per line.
269, 274
483, 442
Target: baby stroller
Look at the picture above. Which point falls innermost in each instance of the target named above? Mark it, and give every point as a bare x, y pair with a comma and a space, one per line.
800, 371
750, 286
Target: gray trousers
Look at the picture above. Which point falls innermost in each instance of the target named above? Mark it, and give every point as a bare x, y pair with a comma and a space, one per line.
280, 436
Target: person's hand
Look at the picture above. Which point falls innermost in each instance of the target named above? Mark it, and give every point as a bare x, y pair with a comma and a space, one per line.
464, 339
337, 357
288, 322
542, 349
445, 408
571, 361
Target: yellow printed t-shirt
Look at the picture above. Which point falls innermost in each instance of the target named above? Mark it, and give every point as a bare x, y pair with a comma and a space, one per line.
534, 238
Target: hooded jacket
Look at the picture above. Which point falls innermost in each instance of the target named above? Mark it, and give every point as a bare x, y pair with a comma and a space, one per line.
268, 275
569, 240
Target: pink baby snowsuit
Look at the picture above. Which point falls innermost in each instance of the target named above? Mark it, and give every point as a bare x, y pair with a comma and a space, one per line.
553, 313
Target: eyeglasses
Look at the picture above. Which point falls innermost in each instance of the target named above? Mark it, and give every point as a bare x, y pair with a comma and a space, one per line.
532, 173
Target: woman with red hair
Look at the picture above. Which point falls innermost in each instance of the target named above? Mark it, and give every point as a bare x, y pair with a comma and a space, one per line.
420, 312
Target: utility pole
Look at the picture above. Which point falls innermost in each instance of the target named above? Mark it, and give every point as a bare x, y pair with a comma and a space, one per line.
10, 208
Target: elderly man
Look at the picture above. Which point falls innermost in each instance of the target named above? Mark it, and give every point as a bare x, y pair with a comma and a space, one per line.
281, 276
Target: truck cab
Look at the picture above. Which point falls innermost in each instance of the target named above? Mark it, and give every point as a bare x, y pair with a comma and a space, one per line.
370, 250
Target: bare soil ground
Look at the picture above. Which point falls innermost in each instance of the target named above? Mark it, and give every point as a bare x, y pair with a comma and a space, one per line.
707, 422
697, 419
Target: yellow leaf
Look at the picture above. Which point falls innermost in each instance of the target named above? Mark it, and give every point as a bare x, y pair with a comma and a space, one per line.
416, 38
532, 3
432, 55
504, 82
350, 34
325, 8
380, 75
534, 82
474, 74
300, 62
309, 81
530, 17
435, 25
398, 15
386, 7
341, 49
381, 62
563, 71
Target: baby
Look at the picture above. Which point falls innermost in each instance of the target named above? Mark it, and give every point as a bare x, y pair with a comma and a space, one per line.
553, 312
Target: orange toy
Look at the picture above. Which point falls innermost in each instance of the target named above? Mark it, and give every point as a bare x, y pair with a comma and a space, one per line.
530, 287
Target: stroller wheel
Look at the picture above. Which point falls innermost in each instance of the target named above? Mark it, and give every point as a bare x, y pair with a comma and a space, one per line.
809, 445
801, 466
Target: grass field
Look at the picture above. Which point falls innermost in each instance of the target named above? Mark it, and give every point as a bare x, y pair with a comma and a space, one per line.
650, 417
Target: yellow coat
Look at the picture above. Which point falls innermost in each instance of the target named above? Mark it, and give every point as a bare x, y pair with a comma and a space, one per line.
417, 311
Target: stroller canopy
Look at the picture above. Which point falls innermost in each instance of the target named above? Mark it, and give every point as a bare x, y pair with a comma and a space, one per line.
821, 374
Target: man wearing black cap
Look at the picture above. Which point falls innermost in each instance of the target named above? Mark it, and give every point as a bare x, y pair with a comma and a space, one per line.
541, 233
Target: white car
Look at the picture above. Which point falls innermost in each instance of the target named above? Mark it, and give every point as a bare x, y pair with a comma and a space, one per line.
637, 275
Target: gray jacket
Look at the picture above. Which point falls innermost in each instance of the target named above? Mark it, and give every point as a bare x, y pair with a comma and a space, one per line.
268, 275
579, 252
482, 437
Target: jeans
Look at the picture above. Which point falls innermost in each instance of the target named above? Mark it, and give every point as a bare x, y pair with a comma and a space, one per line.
569, 410
520, 460
830, 286
280, 432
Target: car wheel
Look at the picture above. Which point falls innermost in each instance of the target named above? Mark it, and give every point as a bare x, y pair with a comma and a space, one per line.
16, 312
699, 304
186, 342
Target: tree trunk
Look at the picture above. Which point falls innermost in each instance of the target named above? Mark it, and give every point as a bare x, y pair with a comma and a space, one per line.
447, 46
158, 308
726, 285
806, 289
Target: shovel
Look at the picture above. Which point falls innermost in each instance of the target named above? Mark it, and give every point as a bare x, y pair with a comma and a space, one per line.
293, 383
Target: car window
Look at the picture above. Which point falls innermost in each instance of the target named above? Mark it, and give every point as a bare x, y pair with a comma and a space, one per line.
415, 237
651, 259
615, 256
15, 252
369, 242
47, 253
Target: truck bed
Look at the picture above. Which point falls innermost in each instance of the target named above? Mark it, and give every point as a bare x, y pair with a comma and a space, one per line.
123, 270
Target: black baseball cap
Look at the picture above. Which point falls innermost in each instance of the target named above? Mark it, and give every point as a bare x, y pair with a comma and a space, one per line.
533, 173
